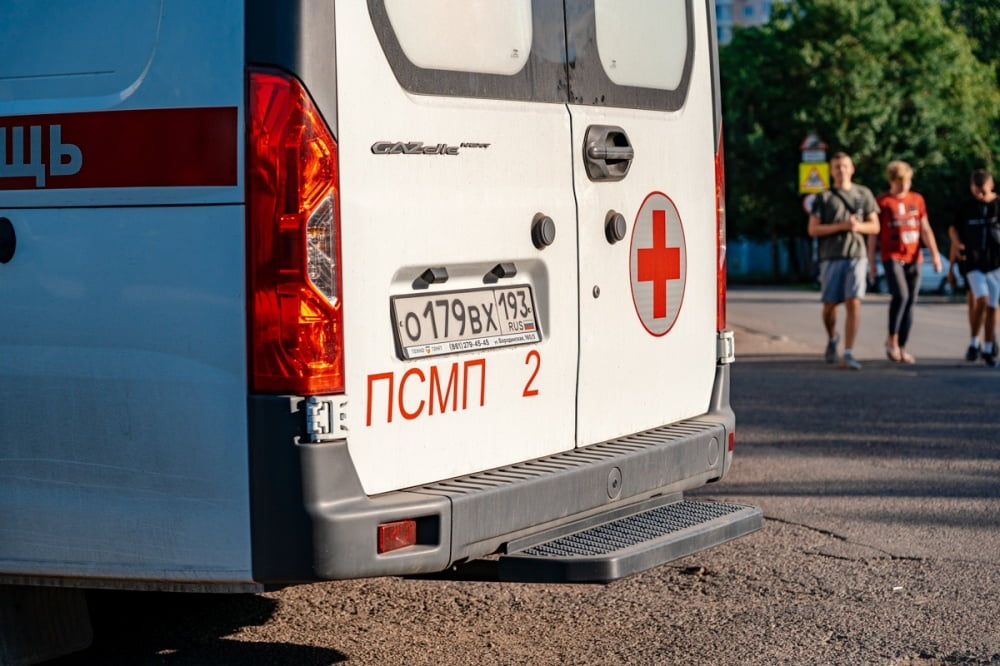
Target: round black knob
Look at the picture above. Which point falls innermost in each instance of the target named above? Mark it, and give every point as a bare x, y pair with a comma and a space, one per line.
543, 231
8, 240
615, 227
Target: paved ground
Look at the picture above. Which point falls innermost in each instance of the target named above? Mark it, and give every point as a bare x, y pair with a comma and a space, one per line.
882, 495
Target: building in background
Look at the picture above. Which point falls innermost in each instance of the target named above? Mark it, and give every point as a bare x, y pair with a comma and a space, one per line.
730, 13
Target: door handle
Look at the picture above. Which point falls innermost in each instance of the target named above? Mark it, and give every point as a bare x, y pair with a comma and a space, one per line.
610, 153
607, 153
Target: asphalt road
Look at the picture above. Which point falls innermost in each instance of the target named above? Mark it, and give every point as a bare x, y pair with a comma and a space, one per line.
881, 490
786, 321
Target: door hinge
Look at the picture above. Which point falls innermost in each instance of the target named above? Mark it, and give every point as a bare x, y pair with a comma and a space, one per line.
326, 418
725, 347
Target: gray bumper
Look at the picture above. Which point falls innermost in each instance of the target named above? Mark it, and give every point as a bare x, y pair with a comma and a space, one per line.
312, 521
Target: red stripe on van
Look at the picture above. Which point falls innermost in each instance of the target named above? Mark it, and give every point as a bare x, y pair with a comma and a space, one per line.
140, 148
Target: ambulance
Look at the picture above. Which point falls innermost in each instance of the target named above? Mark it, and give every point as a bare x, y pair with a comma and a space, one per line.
303, 290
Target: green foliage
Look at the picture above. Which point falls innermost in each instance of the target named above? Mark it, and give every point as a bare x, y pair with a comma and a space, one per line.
879, 79
981, 21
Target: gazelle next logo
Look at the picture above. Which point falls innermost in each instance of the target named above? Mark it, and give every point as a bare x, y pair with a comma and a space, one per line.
25, 157
419, 148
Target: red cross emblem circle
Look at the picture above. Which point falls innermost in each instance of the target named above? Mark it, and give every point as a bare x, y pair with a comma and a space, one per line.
658, 263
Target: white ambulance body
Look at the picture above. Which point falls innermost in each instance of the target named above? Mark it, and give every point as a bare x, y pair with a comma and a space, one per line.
293, 291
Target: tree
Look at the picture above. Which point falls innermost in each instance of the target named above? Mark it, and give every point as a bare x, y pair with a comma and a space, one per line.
879, 79
981, 21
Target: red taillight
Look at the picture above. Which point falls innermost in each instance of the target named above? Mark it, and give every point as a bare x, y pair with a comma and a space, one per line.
293, 235
396, 535
732, 441
720, 222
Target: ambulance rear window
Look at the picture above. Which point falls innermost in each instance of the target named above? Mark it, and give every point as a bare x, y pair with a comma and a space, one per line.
511, 50
642, 42
483, 36
634, 54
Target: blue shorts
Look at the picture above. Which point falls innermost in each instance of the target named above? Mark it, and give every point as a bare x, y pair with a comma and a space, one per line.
842, 279
985, 284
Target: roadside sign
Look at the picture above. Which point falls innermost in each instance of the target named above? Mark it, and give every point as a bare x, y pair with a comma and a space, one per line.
807, 202
813, 177
814, 155
813, 149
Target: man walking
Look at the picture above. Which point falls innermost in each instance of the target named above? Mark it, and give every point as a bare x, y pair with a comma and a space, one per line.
839, 218
975, 237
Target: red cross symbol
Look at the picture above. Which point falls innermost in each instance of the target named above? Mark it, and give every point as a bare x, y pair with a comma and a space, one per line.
659, 263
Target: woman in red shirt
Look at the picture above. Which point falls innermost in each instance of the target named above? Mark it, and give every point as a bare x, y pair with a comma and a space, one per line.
903, 226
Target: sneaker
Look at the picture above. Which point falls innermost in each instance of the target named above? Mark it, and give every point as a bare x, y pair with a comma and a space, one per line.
850, 362
990, 359
972, 353
831, 349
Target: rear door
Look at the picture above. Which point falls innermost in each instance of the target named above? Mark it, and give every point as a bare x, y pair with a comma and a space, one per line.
643, 149
459, 234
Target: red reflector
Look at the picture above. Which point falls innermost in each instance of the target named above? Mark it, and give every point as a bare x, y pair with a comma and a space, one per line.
393, 536
732, 441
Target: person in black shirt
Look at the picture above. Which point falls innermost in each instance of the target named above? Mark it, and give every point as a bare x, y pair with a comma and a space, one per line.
975, 235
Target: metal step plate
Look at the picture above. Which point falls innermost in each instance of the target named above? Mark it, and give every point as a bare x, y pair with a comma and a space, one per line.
629, 544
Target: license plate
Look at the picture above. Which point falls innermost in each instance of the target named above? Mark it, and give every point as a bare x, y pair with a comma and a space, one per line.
464, 321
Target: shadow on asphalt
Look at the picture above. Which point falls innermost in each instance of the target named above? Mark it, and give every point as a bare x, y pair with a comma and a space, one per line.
911, 450
184, 629
902, 415
923, 365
